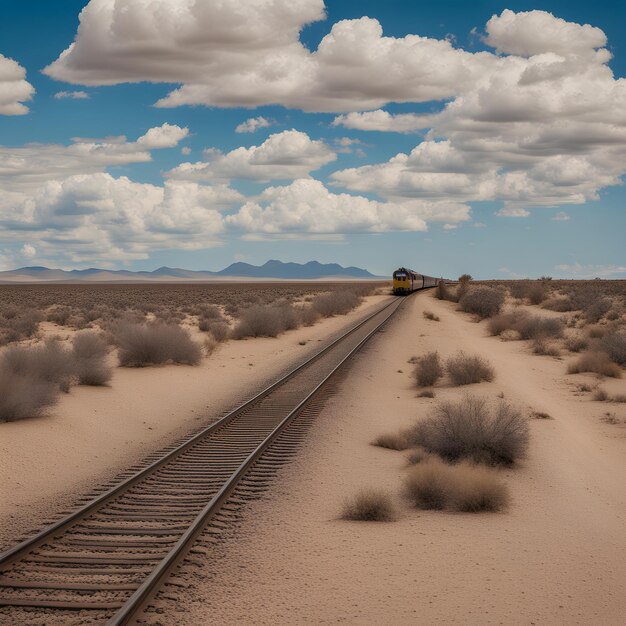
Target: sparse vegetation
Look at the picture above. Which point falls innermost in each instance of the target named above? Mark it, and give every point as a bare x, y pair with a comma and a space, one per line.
428, 369
614, 344
464, 369
154, 343
23, 395
482, 301
596, 363
89, 351
426, 393
472, 429
392, 441
369, 505
467, 488
265, 321
429, 315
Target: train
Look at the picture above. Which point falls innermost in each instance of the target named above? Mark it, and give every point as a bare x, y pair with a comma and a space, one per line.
406, 281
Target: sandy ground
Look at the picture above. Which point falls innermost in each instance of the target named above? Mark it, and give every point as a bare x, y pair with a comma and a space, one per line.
557, 556
94, 433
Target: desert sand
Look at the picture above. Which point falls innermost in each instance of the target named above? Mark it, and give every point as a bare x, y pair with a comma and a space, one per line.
557, 556
94, 433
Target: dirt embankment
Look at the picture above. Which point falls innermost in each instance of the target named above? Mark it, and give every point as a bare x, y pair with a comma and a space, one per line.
557, 556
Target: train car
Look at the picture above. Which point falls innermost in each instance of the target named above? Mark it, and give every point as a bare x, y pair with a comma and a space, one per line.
406, 281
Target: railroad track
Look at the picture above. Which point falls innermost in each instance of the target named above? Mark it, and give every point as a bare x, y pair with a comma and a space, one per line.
104, 561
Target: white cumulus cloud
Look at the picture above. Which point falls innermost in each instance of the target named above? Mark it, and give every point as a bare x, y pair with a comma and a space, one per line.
14, 88
253, 124
71, 95
383, 121
287, 155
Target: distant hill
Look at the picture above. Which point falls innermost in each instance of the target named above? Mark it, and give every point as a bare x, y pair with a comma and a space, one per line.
272, 269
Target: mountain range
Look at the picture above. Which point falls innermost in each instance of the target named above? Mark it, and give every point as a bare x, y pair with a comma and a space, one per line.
272, 269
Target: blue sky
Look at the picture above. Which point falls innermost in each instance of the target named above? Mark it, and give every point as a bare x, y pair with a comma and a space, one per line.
509, 163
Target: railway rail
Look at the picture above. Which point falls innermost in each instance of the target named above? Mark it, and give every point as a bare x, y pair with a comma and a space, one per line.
107, 559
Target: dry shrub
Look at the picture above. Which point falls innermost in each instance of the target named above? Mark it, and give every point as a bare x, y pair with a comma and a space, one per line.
265, 321
427, 393
465, 369
154, 343
308, 315
472, 429
596, 310
506, 321
23, 395
535, 327
560, 304
443, 292
90, 359
600, 395
482, 301
19, 326
543, 347
576, 344
417, 455
369, 505
596, 332
428, 369
595, 362
537, 292
614, 344
397, 441
429, 315
220, 331
49, 362
59, 315
464, 487
335, 303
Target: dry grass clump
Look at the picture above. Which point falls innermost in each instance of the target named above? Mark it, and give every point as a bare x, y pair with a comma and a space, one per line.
502, 322
154, 343
472, 429
482, 301
426, 393
464, 487
23, 395
89, 352
265, 321
16, 326
614, 344
465, 369
595, 362
535, 327
391, 441
429, 315
428, 369
543, 347
220, 331
335, 303
560, 304
601, 395
369, 505
576, 344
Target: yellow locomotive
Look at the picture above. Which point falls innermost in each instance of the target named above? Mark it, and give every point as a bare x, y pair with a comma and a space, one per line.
406, 281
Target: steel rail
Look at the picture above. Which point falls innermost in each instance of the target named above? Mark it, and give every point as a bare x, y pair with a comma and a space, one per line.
28, 544
160, 572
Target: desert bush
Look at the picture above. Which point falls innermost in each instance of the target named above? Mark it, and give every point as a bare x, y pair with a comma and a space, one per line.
560, 304
596, 310
595, 362
265, 321
543, 347
89, 351
614, 344
23, 395
20, 326
429, 315
154, 343
482, 301
443, 292
59, 315
472, 429
220, 331
576, 344
417, 455
391, 441
537, 292
426, 393
50, 362
428, 369
369, 505
464, 369
335, 303
432, 484
535, 327
506, 321
600, 395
